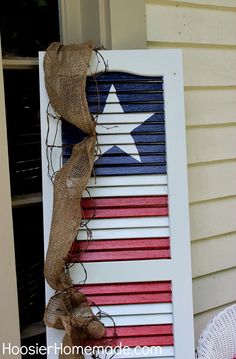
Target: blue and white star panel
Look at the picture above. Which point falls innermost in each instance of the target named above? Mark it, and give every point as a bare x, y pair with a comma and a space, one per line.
138, 263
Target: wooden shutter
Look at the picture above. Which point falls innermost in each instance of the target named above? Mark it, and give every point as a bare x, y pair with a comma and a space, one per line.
138, 264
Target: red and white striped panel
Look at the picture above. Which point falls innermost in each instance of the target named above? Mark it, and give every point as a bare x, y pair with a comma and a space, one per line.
142, 313
125, 248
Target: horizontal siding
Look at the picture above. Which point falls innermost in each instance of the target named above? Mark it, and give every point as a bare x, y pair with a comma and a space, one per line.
217, 27
211, 143
205, 30
208, 106
209, 219
213, 254
213, 290
212, 66
211, 3
206, 179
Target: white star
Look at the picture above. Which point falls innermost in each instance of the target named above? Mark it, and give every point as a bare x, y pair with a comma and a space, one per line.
112, 124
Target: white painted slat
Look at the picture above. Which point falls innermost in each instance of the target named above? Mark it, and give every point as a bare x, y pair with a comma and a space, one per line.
116, 108
211, 143
190, 25
106, 181
166, 352
125, 233
112, 97
111, 223
135, 309
126, 147
214, 290
213, 255
136, 157
125, 191
123, 271
212, 180
118, 118
212, 218
118, 139
210, 106
145, 319
116, 128
212, 66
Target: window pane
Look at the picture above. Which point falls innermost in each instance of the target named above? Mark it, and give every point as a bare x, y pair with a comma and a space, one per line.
28, 237
23, 128
28, 26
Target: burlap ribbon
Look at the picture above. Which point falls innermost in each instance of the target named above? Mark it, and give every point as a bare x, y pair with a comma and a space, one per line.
65, 79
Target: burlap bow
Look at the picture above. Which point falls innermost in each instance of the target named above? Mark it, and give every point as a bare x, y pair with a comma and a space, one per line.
65, 79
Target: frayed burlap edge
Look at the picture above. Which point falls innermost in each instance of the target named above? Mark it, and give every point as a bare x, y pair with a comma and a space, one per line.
65, 79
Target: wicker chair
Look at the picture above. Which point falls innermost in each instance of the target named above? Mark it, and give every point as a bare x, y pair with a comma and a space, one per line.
218, 339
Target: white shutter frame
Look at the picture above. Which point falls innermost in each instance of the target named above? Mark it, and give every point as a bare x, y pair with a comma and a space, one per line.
166, 63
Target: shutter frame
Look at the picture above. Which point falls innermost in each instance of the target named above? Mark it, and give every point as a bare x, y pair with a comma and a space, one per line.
166, 63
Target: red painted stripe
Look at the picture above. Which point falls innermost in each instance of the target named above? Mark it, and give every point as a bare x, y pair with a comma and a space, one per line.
125, 212
124, 249
146, 243
140, 287
122, 288
140, 330
165, 340
143, 341
138, 335
128, 293
109, 202
121, 255
130, 298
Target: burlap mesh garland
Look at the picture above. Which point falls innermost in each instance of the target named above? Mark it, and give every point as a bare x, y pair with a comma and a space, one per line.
65, 79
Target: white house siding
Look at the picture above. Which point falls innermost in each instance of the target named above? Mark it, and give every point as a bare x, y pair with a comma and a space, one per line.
206, 31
